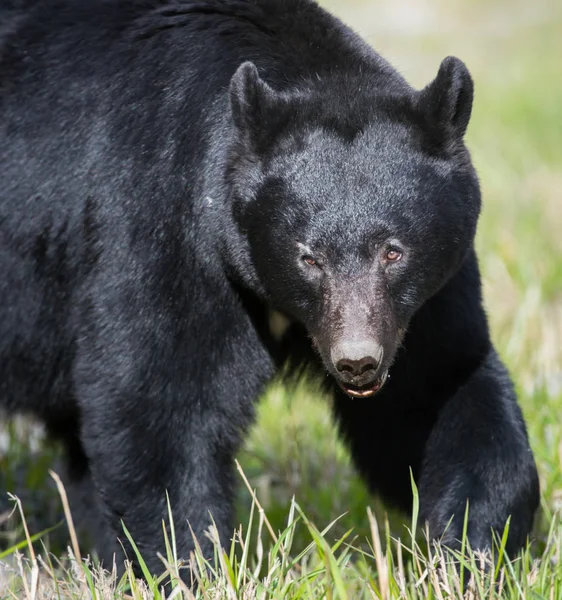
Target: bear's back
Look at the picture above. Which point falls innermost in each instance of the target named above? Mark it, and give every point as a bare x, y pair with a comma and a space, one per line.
102, 94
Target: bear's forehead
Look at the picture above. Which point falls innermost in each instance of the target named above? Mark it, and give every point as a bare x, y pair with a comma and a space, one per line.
382, 166
385, 157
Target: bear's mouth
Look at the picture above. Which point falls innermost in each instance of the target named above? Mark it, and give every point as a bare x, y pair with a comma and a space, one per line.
364, 391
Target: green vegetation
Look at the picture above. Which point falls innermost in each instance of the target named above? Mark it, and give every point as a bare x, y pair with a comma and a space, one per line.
340, 549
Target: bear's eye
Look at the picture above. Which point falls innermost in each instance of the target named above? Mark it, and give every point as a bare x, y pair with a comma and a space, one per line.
310, 260
393, 255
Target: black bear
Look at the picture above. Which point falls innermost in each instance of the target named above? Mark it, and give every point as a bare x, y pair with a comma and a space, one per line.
173, 171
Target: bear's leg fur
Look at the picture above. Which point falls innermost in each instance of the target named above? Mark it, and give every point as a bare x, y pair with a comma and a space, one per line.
164, 408
478, 451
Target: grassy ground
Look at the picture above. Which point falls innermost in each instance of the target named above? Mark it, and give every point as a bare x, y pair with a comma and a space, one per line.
513, 50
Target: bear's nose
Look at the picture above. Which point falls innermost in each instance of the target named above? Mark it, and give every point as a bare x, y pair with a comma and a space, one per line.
355, 368
356, 359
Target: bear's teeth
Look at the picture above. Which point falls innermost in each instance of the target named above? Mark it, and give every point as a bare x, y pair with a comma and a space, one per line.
365, 392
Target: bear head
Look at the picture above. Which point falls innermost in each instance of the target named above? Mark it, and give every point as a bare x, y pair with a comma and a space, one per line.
357, 201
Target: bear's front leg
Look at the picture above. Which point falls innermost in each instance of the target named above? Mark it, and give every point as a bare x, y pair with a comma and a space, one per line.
470, 447
165, 394
135, 462
478, 452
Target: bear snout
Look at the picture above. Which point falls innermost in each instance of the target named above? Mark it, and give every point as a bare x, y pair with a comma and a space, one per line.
355, 361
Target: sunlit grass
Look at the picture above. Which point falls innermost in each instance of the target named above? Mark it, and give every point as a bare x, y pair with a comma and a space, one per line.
264, 562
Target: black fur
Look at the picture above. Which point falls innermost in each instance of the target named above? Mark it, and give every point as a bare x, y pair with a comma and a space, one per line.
165, 167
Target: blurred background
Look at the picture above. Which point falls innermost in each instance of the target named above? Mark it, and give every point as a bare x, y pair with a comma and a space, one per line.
514, 52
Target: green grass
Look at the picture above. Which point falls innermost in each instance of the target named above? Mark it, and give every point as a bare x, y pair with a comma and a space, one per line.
293, 458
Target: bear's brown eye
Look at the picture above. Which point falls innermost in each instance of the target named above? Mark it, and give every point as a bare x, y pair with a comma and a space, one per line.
309, 260
393, 255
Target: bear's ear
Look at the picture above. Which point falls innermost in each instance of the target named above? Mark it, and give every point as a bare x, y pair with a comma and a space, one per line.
251, 99
447, 100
